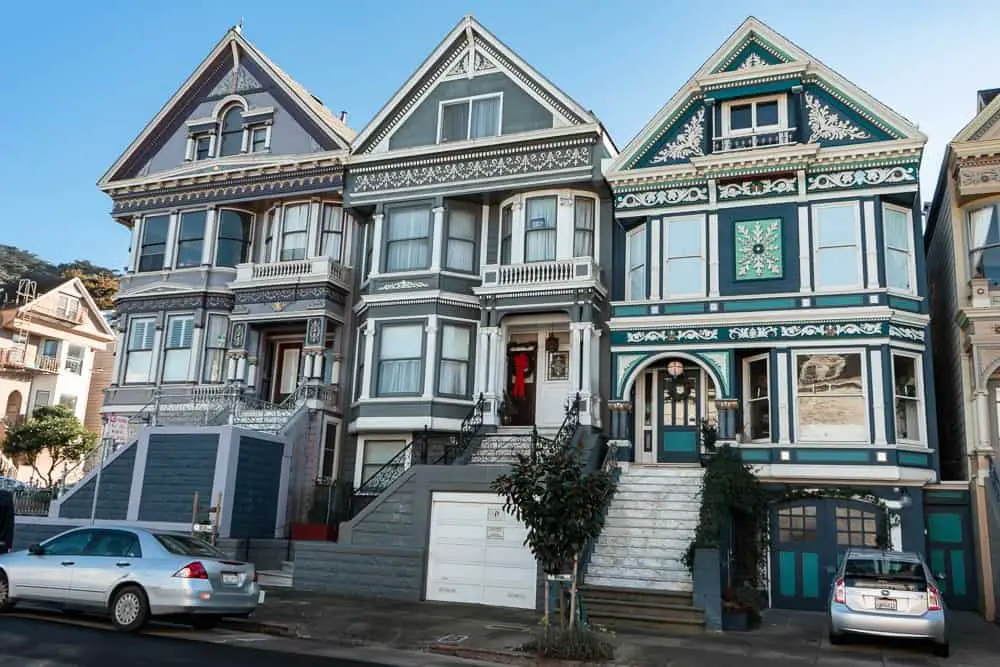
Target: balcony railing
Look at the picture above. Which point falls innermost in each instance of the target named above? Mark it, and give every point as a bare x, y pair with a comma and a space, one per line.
317, 268
14, 357
562, 271
763, 139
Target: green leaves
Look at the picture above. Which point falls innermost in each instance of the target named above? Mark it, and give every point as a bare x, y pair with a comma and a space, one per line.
54, 430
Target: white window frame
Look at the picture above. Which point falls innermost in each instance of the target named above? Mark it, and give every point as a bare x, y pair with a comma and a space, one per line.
918, 370
451, 356
166, 348
218, 231
666, 258
468, 123
208, 346
359, 461
280, 230
254, 129
209, 138
865, 390
337, 233
860, 255
129, 350
747, 398
179, 224
75, 364
68, 306
629, 266
592, 231
911, 258
754, 128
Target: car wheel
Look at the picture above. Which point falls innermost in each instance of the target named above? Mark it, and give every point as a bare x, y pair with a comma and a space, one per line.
129, 609
5, 602
205, 622
942, 650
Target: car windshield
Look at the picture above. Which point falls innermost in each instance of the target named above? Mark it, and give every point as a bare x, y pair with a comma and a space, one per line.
885, 572
183, 545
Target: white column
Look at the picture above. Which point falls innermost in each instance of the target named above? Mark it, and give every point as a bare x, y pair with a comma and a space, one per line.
784, 427
279, 214
565, 224
194, 363
805, 252
655, 251
241, 368
189, 149
211, 145
713, 248
312, 227
376, 267
575, 334
484, 237
982, 435
497, 380
517, 214
437, 240
366, 379
168, 253
431, 356
878, 398
251, 374
586, 383
482, 360
871, 244
245, 142
133, 258
230, 368
267, 137
211, 237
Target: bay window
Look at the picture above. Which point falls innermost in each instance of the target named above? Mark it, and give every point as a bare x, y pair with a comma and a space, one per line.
837, 246
984, 243
460, 250
469, 118
635, 260
294, 232
190, 239
177, 348
214, 364
456, 349
583, 227
757, 398
684, 257
400, 359
831, 403
153, 246
233, 246
540, 229
906, 389
331, 232
139, 351
408, 243
900, 268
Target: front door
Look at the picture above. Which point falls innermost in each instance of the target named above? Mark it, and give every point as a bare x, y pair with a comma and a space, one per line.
287, 359
519, 404
680, 418
949, 551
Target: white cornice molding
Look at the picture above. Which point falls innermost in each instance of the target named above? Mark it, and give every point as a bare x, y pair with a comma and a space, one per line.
797, 316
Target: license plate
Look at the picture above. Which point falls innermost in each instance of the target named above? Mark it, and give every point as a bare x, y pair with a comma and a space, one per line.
889, 604
230, 579
261, 596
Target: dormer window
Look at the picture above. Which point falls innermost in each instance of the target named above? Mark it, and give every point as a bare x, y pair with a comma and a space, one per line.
258, 139
754, 123
469, 118
231, 135
203, 147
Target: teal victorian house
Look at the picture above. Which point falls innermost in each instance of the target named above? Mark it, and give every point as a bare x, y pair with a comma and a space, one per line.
769, 281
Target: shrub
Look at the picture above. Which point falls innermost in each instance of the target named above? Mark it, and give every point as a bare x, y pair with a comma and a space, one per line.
580, 642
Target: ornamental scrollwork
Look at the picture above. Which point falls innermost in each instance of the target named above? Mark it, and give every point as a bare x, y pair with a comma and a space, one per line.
689, 142
862, 177
752, 61
761, 188
825, 123
402, 284
908, 333
672, 335
665, 197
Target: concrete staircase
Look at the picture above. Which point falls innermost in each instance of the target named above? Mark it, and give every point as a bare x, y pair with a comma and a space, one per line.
282, 578
503, 445
265, 420
636, 609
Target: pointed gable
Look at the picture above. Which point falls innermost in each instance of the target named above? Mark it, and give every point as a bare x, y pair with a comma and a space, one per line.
235, 73
469, 64
815, 105
985, 126
91, 322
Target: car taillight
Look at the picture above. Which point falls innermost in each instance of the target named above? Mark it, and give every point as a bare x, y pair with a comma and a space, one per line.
933, 599
193, 570
840, 592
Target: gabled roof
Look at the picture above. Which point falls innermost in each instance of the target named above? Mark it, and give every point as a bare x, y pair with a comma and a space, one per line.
230, 47
752, 49
443, 59
981, 124
100, 322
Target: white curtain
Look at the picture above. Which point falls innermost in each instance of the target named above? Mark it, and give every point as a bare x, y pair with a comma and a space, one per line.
408, 239
455, 346
461, 240
333, 232
177, 358
540, 230
455, 122
637, 264
485, 117
400, 367
294, 232
583, 224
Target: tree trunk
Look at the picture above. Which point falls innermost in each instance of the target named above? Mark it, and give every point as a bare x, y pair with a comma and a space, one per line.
546, 601
573, 592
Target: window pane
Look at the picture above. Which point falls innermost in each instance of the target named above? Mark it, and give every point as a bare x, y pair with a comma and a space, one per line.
401, 341
486, 117
408, 239
767, 113
180, 331
684, 277
684, 238
455, 122
505, 234
294, 235
455, 342
540, 229
234, 238
259, 140
461, 240
836, 225
218, 328
190, 238
907, 405
830, 374
897, 269
897, 232
637, 248
740, 117
381, 452
541, 213
831, 403
296, 218
175, 365
837, 267
583, 238
202, 144
758, 403
154, 242
232, 132
637, 283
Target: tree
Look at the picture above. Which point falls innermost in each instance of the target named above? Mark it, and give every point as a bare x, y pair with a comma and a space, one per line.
561, 506
102, 285
54, 430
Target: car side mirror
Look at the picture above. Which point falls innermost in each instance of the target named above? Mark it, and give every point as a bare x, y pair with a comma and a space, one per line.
36, 550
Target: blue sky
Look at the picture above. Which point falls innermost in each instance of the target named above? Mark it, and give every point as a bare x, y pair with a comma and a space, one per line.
81, 80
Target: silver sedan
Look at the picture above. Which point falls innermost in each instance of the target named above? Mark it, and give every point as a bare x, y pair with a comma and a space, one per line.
133, 574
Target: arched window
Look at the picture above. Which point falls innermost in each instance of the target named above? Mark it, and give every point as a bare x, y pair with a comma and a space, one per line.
13, 408
231, 141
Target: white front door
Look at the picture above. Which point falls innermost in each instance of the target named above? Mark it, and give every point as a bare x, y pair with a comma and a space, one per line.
477, 555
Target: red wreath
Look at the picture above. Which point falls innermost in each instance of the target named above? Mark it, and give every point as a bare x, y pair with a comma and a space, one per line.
520, 370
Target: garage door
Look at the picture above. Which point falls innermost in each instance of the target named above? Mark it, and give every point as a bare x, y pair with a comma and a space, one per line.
477, 553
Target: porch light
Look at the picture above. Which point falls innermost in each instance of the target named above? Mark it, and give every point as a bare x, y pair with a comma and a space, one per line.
552, 343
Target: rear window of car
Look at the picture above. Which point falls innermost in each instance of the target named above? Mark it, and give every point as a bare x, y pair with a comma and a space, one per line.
891, 573
182, 545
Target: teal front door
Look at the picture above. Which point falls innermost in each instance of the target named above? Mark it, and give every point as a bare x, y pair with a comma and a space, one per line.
949, 554
680, 415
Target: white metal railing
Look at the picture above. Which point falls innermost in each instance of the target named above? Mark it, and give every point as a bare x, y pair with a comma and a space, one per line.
533, 273
317, 267
760, 139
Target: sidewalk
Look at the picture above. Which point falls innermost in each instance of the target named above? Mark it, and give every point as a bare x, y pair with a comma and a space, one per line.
486, 633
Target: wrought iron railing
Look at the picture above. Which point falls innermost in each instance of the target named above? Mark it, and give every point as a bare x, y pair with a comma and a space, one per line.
416, 451
567, 430
32, 502
469, 433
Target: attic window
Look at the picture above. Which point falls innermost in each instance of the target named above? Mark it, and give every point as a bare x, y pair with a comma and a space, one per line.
470, 118
231, 136
754, 123
203, 147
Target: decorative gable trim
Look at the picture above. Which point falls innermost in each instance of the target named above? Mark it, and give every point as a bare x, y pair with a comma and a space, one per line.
240, 81
981, 124
825, 123
752, 52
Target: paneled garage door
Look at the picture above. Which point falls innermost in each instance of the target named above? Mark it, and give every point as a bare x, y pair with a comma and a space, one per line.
477, 553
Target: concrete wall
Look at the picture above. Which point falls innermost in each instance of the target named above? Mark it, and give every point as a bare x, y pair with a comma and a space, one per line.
113, 495
258, 482
177, 466
265, 554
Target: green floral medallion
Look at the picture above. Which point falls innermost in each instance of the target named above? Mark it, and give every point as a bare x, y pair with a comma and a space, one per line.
758, 249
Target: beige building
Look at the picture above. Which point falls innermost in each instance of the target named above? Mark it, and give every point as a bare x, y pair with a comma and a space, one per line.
48, 345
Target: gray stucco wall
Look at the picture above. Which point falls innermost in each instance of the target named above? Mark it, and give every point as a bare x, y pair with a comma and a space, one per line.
993, 526
112, 496
258, 480
26, 534
177, 466
521, 113
265, 554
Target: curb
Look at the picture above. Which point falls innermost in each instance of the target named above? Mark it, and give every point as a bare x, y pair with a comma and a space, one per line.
260, 627
503, 657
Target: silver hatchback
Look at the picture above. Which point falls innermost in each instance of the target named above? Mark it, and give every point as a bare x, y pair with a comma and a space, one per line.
887, 594
133, 574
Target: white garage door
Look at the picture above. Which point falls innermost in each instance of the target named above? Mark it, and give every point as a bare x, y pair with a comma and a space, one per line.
477, 553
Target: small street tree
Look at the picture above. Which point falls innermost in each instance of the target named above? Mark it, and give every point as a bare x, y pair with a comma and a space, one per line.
52, 430
561, 506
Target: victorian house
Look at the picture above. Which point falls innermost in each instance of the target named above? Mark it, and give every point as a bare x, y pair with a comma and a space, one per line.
963, 238
769, 290
236, 305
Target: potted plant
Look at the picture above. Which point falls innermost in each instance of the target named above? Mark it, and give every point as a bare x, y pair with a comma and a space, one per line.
740, 608
709, 431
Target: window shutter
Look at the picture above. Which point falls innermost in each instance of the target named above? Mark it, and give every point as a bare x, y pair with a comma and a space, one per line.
142, 335
181, 330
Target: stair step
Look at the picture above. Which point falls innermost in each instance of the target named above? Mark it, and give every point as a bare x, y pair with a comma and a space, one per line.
647, 624
627, 542
632, 561
650, 574
618, 593
617, 581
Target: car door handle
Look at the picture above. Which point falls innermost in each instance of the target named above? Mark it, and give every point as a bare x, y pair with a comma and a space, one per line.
68, 562
123, 563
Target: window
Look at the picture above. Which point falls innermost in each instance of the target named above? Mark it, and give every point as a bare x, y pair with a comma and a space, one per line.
460, 253
216, 333
377, 453
203, 147
797, 523
758, 404
831, 398
74, 359
683, 264
231, 137
906, 383
331, 232
42, 399
328, 456
506, 233
177, 349
836, 246
113, 544
187, 545
68, 307
400, 359
269, 235
153, 248
456, 346
540, 229
139, 353
984, 243
856, 527
900, 270
369, 248
295, 232
753, 123
583, 227
470, 119
235, 228
70, 544
408, 242
635, 250
361, 350
190, 239
50, 349
750, 117
258, 140
68, 401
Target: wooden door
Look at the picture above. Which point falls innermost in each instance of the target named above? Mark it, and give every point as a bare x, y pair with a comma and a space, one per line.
287, 361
